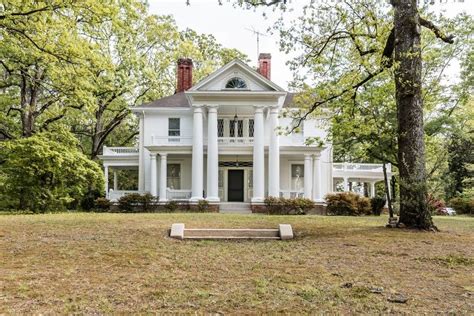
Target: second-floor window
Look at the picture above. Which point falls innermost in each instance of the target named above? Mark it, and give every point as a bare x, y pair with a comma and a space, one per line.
174, 127
220, 128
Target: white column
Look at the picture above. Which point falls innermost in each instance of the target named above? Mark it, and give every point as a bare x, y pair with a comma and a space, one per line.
212, 156
141, 155
197, 163
274, 155
372, 189
308, 176
258, 157
154, 184
115, 180
163, 176
106, 175
346, 184
317, 177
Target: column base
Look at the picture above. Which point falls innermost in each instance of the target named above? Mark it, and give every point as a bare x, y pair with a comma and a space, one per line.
213, 199
163, 200
196, 199
257, 200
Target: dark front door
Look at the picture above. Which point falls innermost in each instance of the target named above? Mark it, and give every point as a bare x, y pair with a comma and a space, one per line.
235, 186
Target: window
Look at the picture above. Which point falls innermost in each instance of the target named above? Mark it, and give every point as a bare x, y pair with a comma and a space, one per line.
297, 177
174, 127
236, 83
173, 176
220, 128
251, 127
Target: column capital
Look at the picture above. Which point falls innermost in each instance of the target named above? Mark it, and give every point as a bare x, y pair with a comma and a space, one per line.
308, 156
153, 155
274, 110
163, 155
258, 108
197, 108
317, 155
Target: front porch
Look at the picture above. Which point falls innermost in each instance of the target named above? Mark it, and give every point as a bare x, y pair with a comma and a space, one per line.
302, 173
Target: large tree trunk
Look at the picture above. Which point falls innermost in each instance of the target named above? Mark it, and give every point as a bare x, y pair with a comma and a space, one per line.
411, 148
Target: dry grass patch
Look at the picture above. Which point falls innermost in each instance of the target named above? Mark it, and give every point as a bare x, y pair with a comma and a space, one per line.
104, 263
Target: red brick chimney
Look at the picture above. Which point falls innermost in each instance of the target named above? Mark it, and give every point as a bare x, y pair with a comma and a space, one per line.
264, 65
184, 74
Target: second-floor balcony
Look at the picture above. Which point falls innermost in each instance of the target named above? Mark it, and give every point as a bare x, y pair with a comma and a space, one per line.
285, 140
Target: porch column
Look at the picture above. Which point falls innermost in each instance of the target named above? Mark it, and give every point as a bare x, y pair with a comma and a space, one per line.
372, 189
115, 180
197, 162
212, 156
274, 155
154, 183
346, 184
106, 175
163, 176
141, 155
308, 181
317, 177
258, 157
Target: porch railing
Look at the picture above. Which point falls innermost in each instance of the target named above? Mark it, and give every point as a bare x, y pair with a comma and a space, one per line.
120, 150
235, 141
115, 195
291, 194
172, 140
371, 167
172, 194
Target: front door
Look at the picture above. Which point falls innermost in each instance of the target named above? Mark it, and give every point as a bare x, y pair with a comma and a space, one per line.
235, 186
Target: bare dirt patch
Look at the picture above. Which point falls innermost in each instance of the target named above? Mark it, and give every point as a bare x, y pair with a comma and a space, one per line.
104, 263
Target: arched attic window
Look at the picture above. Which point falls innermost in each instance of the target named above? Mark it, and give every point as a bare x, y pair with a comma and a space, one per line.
236, 83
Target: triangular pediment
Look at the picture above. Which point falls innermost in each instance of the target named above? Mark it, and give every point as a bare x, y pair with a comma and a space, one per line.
254, 81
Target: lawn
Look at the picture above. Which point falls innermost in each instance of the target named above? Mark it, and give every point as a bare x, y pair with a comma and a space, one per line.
104, 263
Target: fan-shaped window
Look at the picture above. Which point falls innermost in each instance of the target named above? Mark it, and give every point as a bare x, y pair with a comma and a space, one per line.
236, 83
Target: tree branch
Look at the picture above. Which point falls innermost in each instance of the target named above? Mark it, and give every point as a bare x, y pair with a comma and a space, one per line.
439, 34
46, 8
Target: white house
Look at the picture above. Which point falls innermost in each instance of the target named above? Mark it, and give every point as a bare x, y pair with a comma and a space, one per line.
218, 140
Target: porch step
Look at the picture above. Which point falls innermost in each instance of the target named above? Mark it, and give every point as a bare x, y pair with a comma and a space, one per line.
235, 233
284, 231
234, 208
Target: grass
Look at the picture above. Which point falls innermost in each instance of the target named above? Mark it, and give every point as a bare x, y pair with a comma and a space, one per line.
109, 263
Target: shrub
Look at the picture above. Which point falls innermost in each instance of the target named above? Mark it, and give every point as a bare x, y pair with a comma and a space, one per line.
102, 204
129, 201
435, 206
171, 206
462, 205
377, 203
283, 206
203, 206
88, 202
147, 200
347, 203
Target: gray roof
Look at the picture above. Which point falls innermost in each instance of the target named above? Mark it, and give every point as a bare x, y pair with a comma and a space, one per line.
179, 100
173, 101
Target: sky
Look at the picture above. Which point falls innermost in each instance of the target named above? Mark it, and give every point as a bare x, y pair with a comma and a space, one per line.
232, 26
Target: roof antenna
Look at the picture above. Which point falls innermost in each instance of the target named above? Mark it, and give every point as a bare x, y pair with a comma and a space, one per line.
258, 33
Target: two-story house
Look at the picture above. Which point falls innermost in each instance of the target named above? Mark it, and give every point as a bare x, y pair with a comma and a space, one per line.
218, 140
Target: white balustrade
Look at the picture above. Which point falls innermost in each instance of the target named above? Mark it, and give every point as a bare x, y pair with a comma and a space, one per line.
173, 194
291, 194
120, 151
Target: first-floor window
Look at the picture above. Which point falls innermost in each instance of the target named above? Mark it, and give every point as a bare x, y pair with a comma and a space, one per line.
297, 177
173, 173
